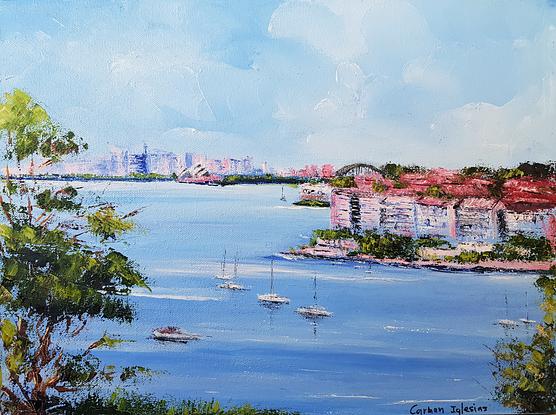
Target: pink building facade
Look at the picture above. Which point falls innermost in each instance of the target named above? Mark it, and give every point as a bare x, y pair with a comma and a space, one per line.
466, 220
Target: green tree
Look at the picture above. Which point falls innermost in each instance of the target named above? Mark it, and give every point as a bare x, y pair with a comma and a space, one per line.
525, 372
58, 268
344, 181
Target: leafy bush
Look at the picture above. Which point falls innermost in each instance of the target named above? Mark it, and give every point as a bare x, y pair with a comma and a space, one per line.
387, 245
136, 404
312, 203
330, 235
432, 242
379, 187
436, 191
393, 171
521, 247
471, 257
344, 181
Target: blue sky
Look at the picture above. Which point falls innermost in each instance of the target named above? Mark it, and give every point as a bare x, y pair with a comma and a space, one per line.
423, 81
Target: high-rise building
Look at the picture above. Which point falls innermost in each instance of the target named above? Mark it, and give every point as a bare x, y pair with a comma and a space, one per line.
188, 160
139, 163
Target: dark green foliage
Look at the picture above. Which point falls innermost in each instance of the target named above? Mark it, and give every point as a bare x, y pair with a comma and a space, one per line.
432, 242
312, 203
262, 179
394, 171
330, 235
525, 371
471, 257
523, 248
473, 171
538, 170
135, 404
379, 245
62, 199
147, 176
387, 245
344, 181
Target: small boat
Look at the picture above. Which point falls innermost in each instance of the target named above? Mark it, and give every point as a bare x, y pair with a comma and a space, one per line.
223, 275
283, 197
507, 323
232, 286
272, 297
174, 334
314, 311
526, 320
369, 270
229, 285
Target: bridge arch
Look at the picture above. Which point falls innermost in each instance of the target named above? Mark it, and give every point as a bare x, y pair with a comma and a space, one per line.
357, 169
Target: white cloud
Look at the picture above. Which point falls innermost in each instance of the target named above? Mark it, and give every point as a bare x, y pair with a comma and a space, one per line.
522, 129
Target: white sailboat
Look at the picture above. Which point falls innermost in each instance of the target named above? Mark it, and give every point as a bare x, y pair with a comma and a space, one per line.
232, 285
506, 322
272, 298
526, 320
315, 310
223, 275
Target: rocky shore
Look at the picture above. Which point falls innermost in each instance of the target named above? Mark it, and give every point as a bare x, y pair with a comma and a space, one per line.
337, 253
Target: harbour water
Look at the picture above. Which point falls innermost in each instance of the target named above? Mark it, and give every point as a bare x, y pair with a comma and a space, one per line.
398, 337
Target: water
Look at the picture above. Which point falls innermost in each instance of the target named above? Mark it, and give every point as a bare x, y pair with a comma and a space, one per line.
398, 336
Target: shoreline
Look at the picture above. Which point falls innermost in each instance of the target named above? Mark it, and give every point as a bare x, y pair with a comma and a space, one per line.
485, 266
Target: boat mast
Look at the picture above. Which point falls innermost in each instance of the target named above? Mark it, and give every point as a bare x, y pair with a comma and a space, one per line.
235, 264
506, 302
526, 307
272, 277
315, 288
224, 264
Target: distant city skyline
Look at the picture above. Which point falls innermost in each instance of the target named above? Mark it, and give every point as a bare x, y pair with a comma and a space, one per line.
124, 162
294, 82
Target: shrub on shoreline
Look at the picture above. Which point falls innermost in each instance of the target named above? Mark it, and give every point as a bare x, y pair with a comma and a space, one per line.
136, 404
387, 245
312, 203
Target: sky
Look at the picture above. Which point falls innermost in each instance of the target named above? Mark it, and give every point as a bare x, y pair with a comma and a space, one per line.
437, 83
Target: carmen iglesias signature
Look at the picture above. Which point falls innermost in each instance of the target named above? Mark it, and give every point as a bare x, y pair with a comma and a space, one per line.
458, 409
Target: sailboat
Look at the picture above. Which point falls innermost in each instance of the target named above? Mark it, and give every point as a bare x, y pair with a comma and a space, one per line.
223, 275
314, 311
506, 322
231, 285
526, 319
283, 197
271, 297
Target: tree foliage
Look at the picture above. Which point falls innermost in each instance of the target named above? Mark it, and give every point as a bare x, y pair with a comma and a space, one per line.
525, 372
58, 269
